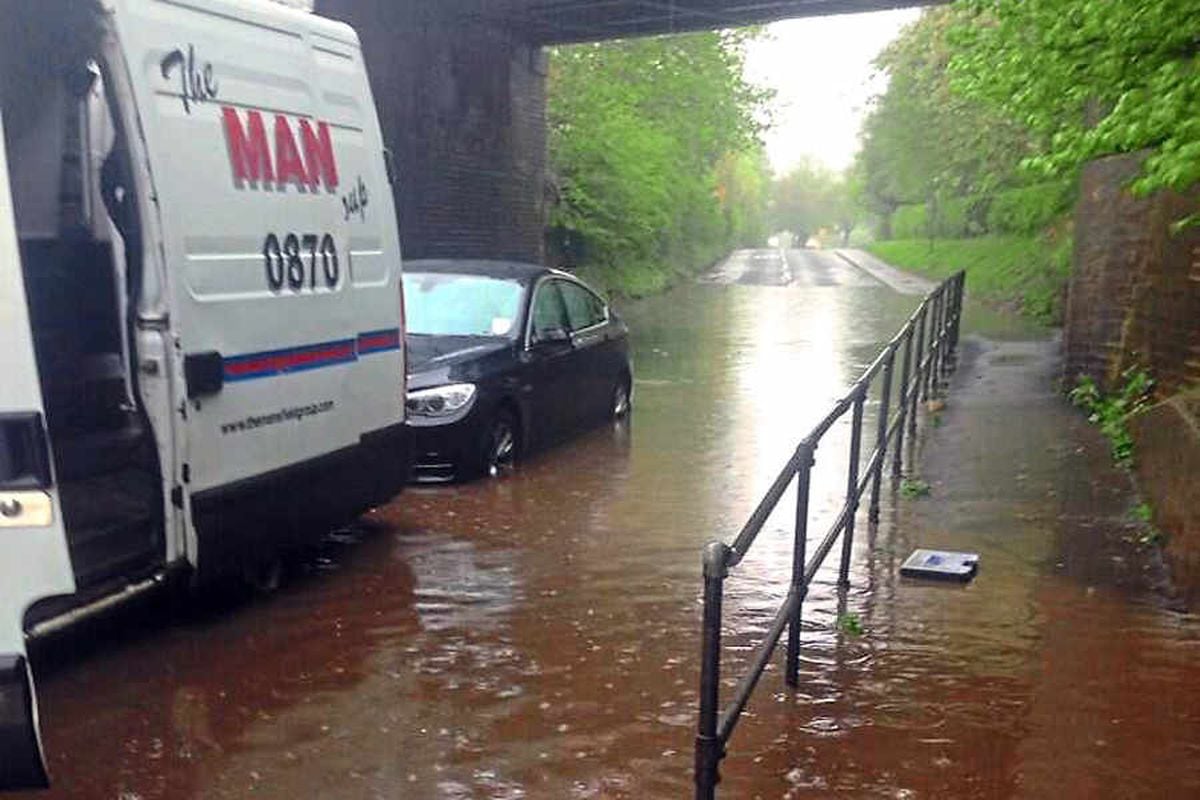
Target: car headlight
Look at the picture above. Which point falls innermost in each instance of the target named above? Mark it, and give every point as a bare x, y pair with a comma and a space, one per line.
441, 401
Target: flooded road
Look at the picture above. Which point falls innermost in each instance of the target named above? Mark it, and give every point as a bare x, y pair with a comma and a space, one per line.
535, 636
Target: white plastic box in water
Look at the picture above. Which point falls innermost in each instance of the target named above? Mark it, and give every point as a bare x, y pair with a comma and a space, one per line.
941, 565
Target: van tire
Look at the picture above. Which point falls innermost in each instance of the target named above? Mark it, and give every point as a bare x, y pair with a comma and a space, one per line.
264, 576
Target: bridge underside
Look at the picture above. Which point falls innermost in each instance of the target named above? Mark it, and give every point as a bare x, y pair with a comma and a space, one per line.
564, 21
460, 88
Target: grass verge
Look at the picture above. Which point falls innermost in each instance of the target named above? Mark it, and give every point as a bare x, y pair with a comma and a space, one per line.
1027, 272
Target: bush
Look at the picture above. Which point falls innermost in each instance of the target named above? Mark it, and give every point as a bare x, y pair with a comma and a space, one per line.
910, 222
1029, 209
950, 219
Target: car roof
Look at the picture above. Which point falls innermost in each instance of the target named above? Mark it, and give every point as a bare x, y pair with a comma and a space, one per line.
511, 270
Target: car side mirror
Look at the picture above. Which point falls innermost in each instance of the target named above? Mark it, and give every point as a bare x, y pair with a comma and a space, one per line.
553, 335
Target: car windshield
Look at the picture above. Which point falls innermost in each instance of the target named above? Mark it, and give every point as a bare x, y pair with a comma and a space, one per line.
446, 304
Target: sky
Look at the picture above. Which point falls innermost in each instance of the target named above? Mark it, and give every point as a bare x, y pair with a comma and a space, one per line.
820, 69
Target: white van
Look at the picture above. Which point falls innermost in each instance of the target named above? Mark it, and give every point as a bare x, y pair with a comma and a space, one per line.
201, 360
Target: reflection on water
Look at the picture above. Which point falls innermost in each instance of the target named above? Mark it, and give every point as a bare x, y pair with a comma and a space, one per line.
536, 636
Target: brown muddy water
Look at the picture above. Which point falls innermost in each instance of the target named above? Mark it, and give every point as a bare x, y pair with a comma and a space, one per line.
536, 636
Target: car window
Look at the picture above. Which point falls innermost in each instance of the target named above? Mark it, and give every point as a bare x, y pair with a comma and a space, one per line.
584, 309
450, 304
548, 311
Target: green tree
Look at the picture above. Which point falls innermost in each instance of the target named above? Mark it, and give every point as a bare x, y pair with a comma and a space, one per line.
1091, 78
808, 198
925, 143
654, 150
743, 192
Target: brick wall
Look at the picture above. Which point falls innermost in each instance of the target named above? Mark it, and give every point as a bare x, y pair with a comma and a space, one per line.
1134, 296
1135, 301
462, 106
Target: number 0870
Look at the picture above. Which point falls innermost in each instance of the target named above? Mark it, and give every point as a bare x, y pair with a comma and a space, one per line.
293, 263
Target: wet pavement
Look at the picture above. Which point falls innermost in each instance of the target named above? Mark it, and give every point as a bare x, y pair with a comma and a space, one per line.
536, 635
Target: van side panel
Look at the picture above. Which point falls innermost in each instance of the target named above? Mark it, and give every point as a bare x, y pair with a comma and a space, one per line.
281, 253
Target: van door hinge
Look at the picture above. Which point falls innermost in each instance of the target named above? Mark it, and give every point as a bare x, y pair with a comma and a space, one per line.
187, 473
177, 496
153, 322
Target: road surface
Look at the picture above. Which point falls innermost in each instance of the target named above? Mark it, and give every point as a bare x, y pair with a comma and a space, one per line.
536, 636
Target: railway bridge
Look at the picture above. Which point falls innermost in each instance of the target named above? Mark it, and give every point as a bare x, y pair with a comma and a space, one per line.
461, 91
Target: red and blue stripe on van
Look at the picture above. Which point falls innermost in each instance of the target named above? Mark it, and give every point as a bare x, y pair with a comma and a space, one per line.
270, 363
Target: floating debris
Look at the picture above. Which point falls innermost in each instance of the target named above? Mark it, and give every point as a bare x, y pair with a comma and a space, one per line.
941, 565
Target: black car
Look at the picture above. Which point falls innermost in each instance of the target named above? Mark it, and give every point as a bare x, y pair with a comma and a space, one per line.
504, 357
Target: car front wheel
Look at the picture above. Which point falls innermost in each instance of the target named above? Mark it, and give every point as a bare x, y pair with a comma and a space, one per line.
499, 444
622, 398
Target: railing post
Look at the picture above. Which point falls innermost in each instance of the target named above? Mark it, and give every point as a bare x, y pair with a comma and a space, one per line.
932, 378
943, 332
902, 405
927, 345
935, 338
709, 748
918, 370
860, 394
804, 464
960, 279
885, 399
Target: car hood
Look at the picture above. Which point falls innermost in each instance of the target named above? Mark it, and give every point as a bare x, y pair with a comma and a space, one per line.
434, 360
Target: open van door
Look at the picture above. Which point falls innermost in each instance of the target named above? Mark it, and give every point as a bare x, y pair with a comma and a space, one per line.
36, 562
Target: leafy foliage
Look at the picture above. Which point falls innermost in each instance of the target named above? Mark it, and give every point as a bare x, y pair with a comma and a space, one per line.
1029, 209
922, 142
743, 190
910, 222
654, 152
809, 198
1112, 411
1088, 78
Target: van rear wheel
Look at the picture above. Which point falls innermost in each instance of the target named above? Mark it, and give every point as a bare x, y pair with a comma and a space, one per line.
265, 575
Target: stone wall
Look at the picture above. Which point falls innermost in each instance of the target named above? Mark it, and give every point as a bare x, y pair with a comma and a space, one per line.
462, 105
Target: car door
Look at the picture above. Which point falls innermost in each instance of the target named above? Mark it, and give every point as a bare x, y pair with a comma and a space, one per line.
552, 374
36, 562
587, 316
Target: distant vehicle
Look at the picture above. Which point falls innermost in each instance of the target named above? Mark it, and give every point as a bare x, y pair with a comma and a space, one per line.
201, 361
504, 357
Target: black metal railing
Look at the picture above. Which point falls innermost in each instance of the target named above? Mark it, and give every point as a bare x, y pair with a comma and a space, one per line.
923, 365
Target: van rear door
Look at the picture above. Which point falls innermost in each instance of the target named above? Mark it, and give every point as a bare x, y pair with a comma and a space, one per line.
264, 145
35, 563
